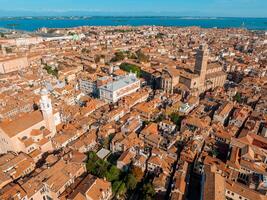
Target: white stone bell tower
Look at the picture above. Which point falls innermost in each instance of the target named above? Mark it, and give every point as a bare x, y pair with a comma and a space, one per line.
47, 111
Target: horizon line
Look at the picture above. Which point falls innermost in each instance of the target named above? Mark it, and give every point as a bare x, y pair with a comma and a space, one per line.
148, 16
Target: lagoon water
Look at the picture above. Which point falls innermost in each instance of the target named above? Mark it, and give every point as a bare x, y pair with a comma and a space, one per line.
32, 24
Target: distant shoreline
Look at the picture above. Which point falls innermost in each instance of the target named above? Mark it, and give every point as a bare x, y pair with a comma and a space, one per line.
103, 16
34, 23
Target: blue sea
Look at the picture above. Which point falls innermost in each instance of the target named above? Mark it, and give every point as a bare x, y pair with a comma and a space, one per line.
34, 23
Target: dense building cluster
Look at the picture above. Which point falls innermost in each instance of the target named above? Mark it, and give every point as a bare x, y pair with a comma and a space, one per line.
99, 113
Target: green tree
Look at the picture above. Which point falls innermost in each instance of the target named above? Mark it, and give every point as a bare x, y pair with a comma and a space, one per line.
132, 56
146, 122
118, 56
91, 162
96, 166
113, 174
141, 57
175, 118
131, 68
122, 189
118, 188
131, 182
100, 168
238, 97
92, 156
115, 186
215, 152
51, 71
160, 118
160, 35
148, 191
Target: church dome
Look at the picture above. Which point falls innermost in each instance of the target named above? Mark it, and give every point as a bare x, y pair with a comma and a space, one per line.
44, 92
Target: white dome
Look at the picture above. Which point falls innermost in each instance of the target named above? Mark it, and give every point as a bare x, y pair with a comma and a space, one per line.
43, 92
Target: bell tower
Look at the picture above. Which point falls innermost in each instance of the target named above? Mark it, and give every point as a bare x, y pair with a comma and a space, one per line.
47, 111
201, 64
202, 58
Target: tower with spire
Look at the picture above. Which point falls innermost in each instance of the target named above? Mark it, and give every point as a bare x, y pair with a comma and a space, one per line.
47, 111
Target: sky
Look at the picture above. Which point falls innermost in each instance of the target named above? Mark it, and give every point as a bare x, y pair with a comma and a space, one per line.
208, 8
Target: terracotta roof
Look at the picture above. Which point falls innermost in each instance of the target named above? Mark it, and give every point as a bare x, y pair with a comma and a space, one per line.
26, 121
152, 128
11, 192
79, 196
244, 191
100, 186
126, 157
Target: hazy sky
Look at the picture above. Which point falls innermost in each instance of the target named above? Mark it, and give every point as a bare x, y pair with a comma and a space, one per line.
243, 8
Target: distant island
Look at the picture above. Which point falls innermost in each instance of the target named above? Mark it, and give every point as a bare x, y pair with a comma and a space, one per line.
33, 23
